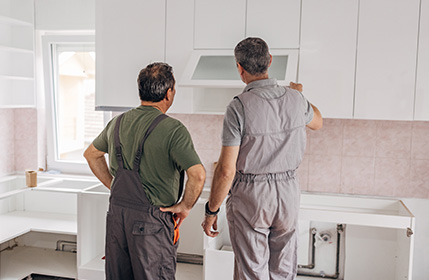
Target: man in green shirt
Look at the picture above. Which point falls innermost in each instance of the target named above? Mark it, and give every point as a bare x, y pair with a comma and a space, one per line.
147, 153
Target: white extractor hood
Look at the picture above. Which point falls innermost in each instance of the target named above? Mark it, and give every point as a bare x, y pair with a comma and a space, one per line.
217, 68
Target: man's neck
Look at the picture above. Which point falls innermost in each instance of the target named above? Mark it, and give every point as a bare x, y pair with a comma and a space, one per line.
161, 106
251, 78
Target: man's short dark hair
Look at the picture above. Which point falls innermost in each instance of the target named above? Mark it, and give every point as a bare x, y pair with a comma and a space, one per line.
154, 81
253, 55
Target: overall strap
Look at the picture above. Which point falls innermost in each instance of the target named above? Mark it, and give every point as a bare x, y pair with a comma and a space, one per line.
139, 153
118, 150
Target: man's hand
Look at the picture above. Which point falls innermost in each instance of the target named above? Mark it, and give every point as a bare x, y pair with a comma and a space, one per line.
208, 223
179, 210
298, 87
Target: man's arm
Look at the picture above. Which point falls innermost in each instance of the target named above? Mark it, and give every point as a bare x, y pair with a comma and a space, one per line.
222, 179
317, 121
194, 185
97, 163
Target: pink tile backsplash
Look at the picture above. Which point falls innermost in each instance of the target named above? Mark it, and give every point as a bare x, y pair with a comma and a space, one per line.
420, 140
324, 173
393, 139
359, 138
365, 157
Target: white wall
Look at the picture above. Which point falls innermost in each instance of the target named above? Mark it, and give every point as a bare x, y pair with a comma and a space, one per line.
64, 14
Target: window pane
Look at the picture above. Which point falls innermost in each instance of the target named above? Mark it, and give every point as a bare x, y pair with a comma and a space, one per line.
77, 123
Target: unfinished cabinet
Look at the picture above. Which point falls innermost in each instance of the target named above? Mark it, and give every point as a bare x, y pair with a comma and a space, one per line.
386, 59
328, 54
130, 35
352, 232
47, 211
17, 54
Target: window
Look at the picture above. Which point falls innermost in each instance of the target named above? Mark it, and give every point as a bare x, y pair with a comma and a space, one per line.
69, 64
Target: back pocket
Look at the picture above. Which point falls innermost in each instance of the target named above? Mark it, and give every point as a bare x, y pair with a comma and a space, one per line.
142, 228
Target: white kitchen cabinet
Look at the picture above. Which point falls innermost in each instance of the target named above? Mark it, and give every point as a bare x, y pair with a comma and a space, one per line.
92, 208
328, 54
219, 24
17, 54
129, 35
372, 228
386, 59
51, 209
422, 86
275, 21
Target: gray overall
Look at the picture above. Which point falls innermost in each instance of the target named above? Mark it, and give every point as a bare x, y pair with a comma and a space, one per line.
139, 237
263, 204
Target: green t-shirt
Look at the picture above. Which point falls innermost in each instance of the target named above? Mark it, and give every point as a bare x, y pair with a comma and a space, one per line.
167, 151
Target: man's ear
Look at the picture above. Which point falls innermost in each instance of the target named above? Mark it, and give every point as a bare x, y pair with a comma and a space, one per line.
169, 94
271, 60
240, 69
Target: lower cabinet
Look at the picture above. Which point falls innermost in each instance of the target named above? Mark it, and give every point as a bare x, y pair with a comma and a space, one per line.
339, 235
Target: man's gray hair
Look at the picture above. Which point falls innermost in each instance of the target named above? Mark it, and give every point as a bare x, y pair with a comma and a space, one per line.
253, 55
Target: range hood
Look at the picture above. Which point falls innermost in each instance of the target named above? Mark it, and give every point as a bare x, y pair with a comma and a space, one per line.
217, 68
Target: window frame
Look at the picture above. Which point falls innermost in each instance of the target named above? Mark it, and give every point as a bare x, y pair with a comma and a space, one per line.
52, 161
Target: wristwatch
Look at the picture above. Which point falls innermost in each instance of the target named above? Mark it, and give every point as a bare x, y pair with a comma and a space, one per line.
210, 213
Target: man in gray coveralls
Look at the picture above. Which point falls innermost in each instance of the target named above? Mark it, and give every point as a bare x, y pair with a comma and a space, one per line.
263, 143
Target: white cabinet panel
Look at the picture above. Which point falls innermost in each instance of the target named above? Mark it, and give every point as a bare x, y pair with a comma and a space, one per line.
17, 54
422, 86
327, 55
130, 35
219, 24
179, 46
386, 59
275, 21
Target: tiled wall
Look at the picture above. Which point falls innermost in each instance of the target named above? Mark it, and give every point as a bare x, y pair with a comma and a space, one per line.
18, 140
383, 158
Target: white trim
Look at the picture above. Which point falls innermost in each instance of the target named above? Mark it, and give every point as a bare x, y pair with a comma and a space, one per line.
47, 41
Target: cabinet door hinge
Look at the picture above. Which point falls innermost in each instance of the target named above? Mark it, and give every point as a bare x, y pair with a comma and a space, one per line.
409, 232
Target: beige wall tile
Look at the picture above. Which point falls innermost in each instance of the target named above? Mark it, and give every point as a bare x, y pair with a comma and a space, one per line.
420, 141
391, 175
357, 175
393, 139
359, 138
328, 140
324, 173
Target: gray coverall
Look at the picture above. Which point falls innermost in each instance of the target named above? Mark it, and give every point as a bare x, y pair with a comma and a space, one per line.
139, 237
263, 203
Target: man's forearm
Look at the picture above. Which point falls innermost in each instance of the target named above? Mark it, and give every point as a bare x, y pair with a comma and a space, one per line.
222, 180
101, 171
194, 186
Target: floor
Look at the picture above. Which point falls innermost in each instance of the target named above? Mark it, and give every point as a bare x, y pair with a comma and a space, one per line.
186, 271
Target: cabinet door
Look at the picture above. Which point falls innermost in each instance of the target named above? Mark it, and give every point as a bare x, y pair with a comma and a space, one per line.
275, 21
130, 34
219, 24
422, 86
386, 59
327, 55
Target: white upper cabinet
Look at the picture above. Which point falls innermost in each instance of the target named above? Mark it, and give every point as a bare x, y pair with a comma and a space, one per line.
219, 24
275, 21
422, 86
129, 35
386, 59
327, 55
17, 54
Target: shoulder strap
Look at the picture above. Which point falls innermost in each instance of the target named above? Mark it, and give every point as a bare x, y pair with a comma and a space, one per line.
139, 153
117, 142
